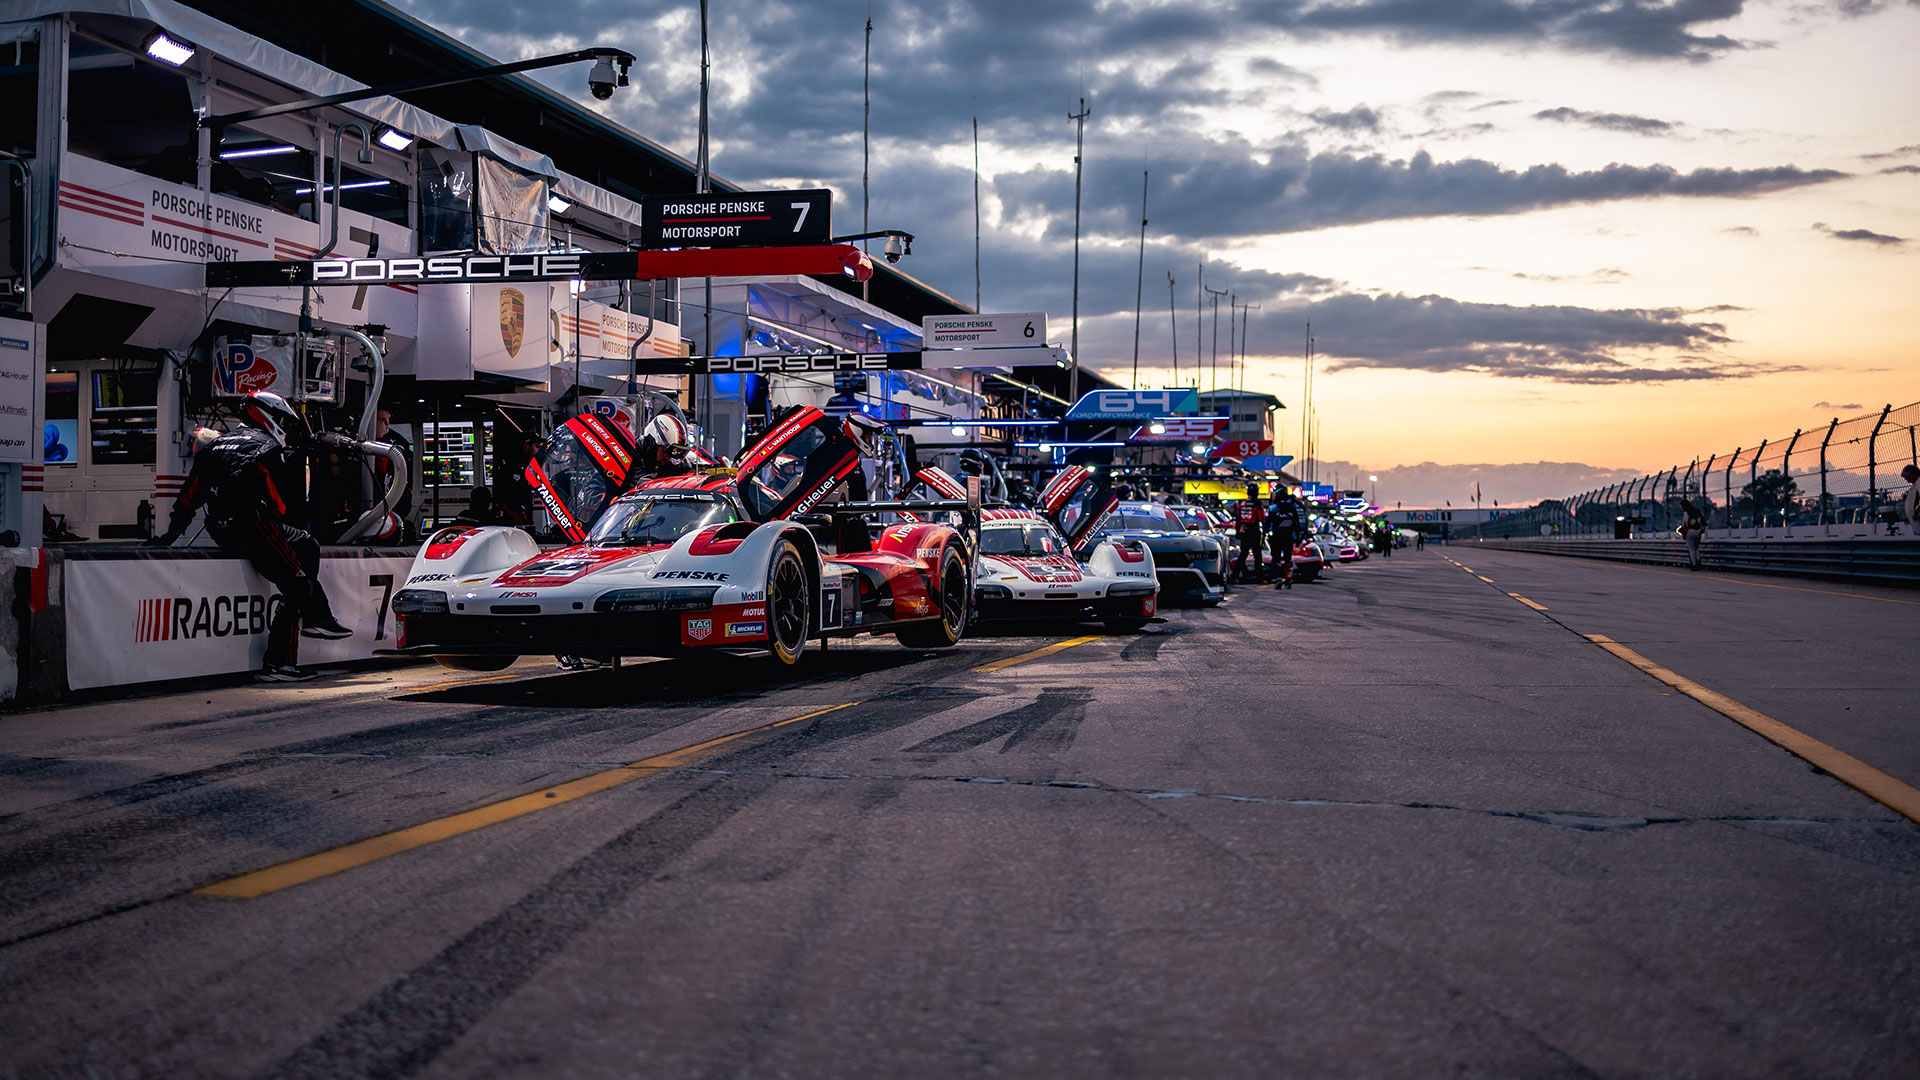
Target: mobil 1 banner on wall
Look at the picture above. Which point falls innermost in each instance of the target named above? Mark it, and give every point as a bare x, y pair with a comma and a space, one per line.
144, 616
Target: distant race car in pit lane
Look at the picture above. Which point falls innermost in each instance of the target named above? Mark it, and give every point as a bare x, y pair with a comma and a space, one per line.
717, 559
1027, 567
1191, 567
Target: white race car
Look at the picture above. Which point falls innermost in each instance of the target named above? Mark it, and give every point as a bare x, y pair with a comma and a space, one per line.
723, 558
1027, 568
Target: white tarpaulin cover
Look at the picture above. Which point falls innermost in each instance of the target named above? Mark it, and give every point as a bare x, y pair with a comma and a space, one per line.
304, 75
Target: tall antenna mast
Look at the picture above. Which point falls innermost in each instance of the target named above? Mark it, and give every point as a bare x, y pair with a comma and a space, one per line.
1216, 294
1079, 151
1306, 401
1140, 286
1199, 318
1173, 321
976, 214
866, 127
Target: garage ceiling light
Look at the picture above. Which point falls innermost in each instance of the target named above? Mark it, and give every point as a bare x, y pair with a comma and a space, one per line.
258, 151
395, 140
558, 205
167, 50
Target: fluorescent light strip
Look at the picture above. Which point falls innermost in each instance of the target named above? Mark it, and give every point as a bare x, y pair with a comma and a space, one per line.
355, 186
258, 151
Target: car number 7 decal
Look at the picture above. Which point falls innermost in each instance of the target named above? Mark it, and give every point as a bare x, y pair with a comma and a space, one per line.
830, 605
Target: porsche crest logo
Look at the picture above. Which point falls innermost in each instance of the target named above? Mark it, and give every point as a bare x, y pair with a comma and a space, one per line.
513, 319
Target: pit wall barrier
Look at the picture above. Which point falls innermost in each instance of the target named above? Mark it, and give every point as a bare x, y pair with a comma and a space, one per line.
120, 616
1893, 561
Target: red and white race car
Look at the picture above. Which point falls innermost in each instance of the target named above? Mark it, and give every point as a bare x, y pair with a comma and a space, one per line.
722, 558
1028, 569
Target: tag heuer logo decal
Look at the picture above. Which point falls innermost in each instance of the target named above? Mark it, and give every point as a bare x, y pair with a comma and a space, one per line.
513, 319
699, 629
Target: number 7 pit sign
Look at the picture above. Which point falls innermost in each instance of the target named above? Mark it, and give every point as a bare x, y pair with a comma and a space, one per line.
738, 219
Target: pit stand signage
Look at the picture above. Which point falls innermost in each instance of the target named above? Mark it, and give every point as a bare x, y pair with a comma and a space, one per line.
738, 219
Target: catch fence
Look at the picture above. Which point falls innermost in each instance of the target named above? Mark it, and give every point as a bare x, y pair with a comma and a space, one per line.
1845, 473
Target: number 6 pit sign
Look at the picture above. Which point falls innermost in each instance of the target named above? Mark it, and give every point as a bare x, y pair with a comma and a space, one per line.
1027, 329
738, 219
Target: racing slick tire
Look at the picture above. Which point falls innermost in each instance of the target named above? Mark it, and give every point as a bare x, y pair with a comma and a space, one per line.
955, 593
476, 663
788, 612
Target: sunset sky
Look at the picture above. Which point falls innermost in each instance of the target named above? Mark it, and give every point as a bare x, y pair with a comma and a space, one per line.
1617, 233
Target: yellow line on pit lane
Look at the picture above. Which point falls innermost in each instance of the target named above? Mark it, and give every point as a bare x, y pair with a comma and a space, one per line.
1529, 603
1046, 650
326, 863
1857, 774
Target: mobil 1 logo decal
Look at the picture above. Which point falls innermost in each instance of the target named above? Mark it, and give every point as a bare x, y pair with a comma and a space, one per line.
738, 219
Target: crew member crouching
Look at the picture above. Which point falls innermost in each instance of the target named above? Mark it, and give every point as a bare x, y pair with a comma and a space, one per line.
232, 477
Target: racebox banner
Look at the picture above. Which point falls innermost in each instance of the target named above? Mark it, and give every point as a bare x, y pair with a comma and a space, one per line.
160, 615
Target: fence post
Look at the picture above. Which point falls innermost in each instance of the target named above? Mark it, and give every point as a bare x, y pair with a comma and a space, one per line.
1726, 487
1786, 469
1826, 510
1753, 477
1873, 483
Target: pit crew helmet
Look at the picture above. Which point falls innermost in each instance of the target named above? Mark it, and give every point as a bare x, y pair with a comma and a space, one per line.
668, 433
865, 432
270, 413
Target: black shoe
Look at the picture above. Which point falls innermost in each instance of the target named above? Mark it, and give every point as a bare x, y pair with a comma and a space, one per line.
331, 630
284, 673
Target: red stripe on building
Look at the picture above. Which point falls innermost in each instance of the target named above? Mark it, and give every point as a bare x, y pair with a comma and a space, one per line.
129, 209
108, 196
85, 209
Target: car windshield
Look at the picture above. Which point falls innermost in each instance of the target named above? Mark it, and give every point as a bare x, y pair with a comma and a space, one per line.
1035, 538
1142, 519
658, 519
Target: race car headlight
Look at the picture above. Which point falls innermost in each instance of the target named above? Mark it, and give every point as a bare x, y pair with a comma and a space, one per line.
992, 592
419, 602
692, 599
1130, 588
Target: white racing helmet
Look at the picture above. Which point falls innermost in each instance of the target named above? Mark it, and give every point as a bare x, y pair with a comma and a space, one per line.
865, 432
669, 433
270, 413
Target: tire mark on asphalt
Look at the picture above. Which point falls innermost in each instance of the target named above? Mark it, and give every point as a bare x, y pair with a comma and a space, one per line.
1050, 722
405, 1026
1148, 645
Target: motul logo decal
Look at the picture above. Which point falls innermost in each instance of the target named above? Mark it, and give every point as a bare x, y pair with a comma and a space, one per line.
178, 618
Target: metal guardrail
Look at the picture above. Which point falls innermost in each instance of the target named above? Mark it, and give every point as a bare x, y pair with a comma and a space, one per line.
1894, 562
1846, 472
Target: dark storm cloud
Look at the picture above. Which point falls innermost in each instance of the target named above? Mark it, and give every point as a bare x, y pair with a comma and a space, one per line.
1358, 118
1605, 121
1557, 343
1211, 189
1865, 236
1645, 28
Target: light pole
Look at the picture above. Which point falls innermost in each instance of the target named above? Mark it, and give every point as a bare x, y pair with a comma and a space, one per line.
1079, 152
1375, 500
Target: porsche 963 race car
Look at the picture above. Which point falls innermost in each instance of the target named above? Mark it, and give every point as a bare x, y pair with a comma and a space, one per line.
716, 559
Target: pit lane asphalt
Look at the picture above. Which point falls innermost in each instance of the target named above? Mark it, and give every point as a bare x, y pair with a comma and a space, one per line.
1391, 824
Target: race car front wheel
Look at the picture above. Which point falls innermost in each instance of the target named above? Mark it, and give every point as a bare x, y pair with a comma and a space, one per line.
787, 596
952, 624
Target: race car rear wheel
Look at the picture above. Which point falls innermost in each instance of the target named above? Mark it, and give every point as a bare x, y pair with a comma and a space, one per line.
787, 609
954, 594
477, 663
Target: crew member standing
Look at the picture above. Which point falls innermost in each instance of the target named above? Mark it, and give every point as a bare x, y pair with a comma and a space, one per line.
1283, 524
233, 478
1249, 520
